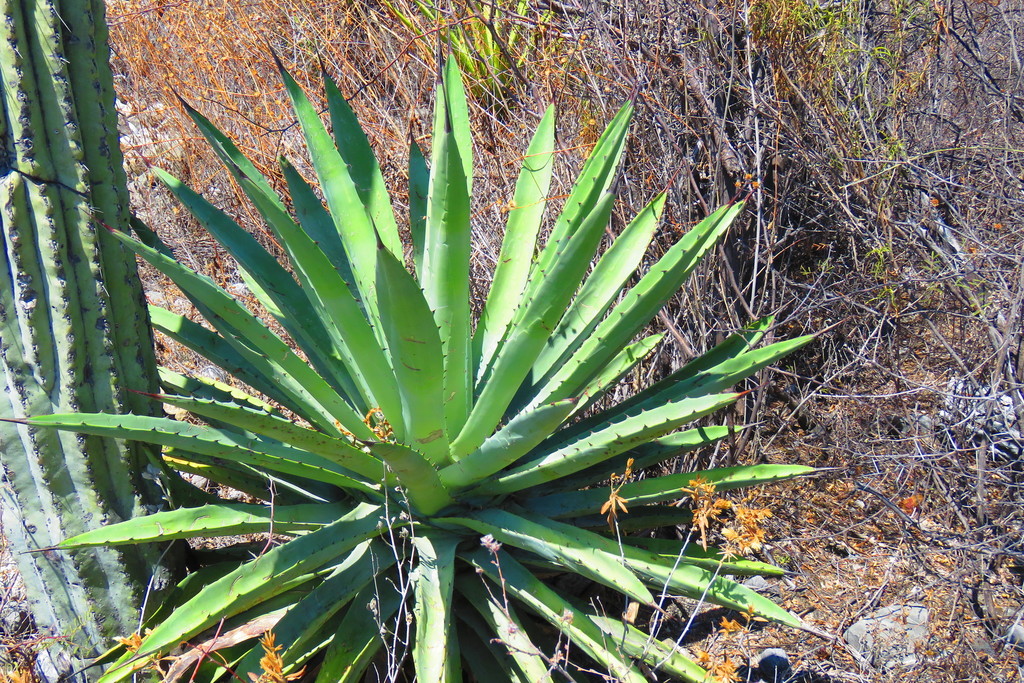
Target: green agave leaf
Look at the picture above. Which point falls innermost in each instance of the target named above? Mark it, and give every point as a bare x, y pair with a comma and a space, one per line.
638, 519
264, 577
419, 189
307, 393
670, 574
552, 543
639, 305
734, 346
260, 483
339, 451
645, 455
272, 285
446, 249
236, 476
513, 361
710, 558
203, 659
239, 361
709, 373
603, 285
354, 225
206, 659
720, 376
316, 222
225, 519
512, 577
507, 445
662, 489
185, 590
501, 620
207, 441
683, 552
451, 112
434, 649
354, 341
229, 153
362, 164
416, 355
300, 631
518, 245
484, 659
593, 182
616, 369
662, 655
552, 288
211, 390
704, 366
358, 638
269, 282
702, 584
598, 446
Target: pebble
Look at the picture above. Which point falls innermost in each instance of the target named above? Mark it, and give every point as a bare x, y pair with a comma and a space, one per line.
890, 636
774, 666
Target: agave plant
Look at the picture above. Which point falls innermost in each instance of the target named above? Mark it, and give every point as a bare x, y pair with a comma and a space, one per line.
428, 483
485, 39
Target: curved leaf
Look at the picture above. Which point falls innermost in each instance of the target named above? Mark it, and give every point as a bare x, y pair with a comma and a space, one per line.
599, 446
264, 577
510, 443
416, 353
509, 575
519, 244
639, 305
653, 490
551, 543
220, 443
225, 519
435, 651
339, 451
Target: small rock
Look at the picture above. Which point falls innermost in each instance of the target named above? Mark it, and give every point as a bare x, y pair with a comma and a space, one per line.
889, 636
774, 666
215, 373
981, 646
759, 584
1015, 635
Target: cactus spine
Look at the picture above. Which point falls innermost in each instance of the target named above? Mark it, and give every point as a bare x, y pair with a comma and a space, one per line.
73, 328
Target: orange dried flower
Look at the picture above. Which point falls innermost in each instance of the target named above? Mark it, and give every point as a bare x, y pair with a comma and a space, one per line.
272, 664
725, 672
730, 626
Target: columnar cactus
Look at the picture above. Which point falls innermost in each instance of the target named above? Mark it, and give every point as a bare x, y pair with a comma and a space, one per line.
64, 342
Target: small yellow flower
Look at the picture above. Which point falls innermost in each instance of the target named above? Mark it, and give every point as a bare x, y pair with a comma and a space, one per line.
746, 535
272, 664
751, 615
132, 643
707, 507
725, 672
617, 503
730, 626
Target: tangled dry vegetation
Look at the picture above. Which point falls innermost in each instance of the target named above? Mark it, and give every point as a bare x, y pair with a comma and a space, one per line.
881, 145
